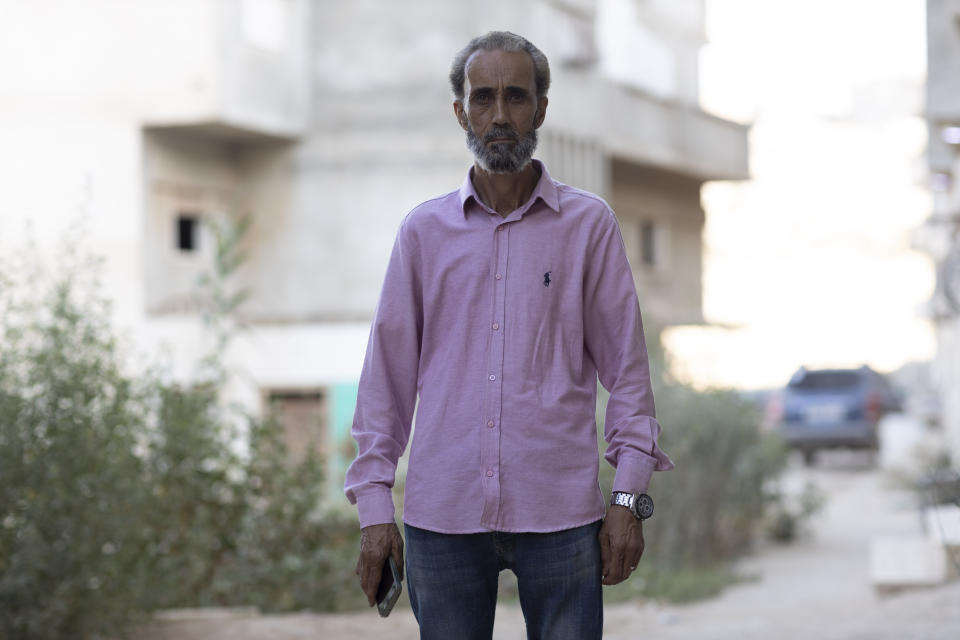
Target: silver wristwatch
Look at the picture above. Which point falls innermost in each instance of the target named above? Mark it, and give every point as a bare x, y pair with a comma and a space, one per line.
640, 504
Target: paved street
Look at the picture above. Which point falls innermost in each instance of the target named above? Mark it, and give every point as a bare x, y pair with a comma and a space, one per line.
815, 588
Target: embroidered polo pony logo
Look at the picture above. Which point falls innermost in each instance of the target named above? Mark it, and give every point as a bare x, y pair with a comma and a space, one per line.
546, 278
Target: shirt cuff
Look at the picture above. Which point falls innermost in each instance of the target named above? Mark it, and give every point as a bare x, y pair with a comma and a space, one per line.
375, 508
633, 474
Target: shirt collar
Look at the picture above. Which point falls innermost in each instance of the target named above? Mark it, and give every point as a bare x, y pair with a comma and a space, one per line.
545, 189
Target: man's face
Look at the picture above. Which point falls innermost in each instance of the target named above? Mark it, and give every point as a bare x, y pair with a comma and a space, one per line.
500, 110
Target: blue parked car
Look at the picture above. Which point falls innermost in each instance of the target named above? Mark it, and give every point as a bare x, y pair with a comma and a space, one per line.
830, 408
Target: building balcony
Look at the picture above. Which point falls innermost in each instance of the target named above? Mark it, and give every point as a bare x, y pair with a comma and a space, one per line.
239, 73
650, 131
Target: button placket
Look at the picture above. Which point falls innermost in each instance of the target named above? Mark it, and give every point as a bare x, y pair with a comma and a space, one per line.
490, 438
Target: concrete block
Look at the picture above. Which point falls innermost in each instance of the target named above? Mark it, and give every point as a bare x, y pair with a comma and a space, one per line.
942, 524
900, 437
206, 613
908, 562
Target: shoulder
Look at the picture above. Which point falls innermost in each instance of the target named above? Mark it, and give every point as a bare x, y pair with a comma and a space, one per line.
588, 208
430, 211
426, 218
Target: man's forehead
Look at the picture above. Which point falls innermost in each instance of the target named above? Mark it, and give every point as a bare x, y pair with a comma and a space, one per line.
489, 67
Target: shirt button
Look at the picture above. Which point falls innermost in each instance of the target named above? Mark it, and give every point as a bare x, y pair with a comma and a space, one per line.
498, 276
492, 377
489, 473
496, 325
490, 424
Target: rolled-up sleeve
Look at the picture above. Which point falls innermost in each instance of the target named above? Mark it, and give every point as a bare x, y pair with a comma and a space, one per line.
388, 385
613, 333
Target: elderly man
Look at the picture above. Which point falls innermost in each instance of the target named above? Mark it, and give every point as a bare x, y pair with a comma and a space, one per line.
502, 303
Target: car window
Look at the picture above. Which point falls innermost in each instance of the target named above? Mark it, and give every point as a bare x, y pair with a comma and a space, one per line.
817, 380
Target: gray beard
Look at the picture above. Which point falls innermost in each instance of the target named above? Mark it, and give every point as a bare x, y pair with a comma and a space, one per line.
502, 157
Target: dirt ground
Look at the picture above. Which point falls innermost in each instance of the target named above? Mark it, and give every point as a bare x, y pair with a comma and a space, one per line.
816, 588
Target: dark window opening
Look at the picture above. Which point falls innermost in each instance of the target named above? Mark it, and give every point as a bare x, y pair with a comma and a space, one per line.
648, 245
188, 229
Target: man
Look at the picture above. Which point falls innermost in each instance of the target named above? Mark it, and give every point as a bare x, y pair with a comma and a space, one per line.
502, 303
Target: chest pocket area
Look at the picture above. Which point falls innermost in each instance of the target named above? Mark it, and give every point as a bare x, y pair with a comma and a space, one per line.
549, 317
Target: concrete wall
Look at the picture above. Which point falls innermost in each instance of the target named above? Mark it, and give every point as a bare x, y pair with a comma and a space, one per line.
652, 46
670, 288
939, 235
947, 372
943, 53
110, 102
385, 88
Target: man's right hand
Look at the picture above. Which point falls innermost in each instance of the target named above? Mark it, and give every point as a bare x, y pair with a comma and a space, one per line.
377, 543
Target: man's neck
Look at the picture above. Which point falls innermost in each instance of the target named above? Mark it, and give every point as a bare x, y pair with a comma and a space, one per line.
505, 192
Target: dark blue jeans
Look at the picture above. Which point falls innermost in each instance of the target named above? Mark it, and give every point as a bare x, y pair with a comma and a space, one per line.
452, 582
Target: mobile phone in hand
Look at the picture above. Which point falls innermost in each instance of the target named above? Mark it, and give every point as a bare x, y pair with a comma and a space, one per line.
389, 589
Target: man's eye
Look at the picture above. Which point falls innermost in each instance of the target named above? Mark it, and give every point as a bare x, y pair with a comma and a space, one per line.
482, 98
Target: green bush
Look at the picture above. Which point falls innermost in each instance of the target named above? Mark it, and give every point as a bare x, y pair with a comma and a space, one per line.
292, 552
712, 505
71, 546
122, 493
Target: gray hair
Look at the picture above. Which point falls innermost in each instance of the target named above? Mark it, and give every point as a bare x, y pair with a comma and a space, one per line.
500, 41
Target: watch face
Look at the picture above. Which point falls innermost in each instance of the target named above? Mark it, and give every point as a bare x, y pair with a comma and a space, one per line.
643, 506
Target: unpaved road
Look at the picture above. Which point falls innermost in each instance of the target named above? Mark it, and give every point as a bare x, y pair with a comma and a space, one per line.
817, 588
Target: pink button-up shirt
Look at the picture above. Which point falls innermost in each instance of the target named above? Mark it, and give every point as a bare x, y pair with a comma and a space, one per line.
502, 326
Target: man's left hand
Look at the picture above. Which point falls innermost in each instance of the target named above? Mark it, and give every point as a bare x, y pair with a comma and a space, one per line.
621, 544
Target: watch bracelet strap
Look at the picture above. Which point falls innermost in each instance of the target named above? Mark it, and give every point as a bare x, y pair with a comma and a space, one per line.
622, 498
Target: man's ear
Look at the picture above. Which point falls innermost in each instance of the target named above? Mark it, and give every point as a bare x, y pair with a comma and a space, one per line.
541, 112
460, 113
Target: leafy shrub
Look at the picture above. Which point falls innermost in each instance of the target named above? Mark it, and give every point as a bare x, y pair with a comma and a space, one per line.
711, 506
123, 493
72, 541
292, 553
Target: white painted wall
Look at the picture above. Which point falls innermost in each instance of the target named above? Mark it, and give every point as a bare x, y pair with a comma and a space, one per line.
80, 81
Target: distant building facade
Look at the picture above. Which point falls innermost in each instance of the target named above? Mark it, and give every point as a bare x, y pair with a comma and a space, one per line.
325, 122
940, 236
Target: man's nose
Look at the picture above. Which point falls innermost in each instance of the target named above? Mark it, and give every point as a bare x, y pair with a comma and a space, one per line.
500, 111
